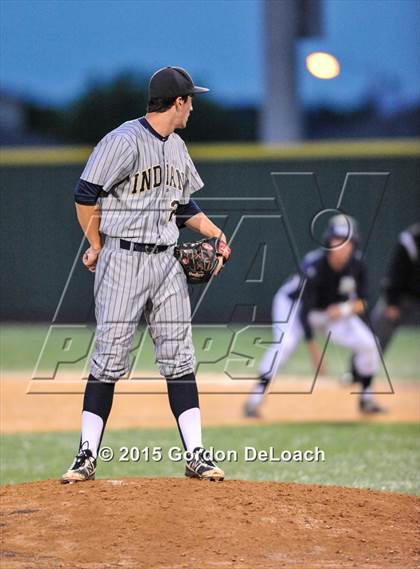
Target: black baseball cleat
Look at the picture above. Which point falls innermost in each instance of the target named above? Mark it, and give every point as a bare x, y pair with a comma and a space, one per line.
83, 468
369, 407
251, 412
200, 466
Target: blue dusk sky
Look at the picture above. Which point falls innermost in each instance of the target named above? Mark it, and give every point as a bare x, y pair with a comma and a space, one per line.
50, 50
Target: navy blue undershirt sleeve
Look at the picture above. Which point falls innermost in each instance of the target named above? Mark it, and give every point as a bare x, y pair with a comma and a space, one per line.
86, 193
185, 211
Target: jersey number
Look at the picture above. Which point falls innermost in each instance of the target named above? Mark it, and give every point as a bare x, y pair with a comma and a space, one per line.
174, 206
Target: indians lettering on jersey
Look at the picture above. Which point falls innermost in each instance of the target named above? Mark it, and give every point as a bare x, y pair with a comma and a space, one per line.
142, 175
152, 178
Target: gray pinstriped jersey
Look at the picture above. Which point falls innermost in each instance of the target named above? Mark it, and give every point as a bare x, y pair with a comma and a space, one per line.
143, 178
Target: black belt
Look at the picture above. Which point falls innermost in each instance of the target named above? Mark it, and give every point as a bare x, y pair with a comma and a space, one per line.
143, 247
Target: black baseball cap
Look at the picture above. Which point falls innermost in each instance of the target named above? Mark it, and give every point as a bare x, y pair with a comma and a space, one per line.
170, 82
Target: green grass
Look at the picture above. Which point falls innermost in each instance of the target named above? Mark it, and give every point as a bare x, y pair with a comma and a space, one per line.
385, 457
20, 346
377, 456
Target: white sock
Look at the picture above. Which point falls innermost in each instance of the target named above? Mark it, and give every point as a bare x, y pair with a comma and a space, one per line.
190, 426
366, 394
257, 396
92, 426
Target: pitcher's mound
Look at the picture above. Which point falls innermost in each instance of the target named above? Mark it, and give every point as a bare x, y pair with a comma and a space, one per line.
171, 523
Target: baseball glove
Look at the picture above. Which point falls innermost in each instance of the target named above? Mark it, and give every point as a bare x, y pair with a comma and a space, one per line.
199, 260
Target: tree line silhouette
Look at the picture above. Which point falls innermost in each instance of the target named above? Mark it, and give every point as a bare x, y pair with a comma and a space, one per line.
106, 104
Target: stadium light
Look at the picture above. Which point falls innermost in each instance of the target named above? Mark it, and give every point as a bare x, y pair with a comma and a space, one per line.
322, 65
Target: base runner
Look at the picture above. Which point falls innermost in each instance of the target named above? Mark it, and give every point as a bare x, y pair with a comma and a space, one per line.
332, 301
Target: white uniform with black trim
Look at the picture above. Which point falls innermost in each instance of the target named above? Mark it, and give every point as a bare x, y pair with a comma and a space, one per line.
327, 287
144, 177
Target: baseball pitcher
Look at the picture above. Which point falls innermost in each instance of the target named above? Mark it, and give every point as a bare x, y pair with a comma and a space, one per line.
133, 196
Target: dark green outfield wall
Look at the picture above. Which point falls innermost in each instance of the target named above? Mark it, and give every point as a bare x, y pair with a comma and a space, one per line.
40, 236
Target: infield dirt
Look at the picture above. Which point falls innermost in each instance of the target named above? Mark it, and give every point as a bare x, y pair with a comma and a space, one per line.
168, 523
187, 524
44, 406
